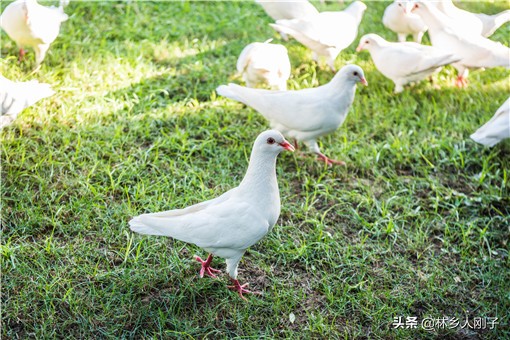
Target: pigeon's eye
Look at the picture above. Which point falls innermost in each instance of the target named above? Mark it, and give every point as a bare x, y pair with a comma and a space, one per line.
270, 140
400, 5
367, 42
355, 73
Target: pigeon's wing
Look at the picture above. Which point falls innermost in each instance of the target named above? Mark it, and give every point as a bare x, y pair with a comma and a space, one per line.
496, 129
16, 96
297, 110
474, 49
410, 58
228, 224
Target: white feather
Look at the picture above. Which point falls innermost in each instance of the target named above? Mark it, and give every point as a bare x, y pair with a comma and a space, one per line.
16, 96
496, 129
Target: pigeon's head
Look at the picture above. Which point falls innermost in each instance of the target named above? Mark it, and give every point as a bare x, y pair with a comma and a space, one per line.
272, 141
406, 6
368, 41
352, 73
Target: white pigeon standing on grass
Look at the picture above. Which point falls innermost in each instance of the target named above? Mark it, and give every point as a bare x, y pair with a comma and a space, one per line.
304, 115
496, 129
473, 50
30, 24
264, 63
476, 23
227, 225
326, 33
16, 96
399, 18
404, 62
287, 9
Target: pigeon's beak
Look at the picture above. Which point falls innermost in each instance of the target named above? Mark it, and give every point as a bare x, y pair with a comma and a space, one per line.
359, 48
287, 146
364, 81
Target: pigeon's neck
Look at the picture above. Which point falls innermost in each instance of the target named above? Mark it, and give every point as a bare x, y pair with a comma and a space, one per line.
342, 88
261, 175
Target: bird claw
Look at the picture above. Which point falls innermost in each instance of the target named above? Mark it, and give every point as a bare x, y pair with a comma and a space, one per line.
240, 289
330, 161
206, 267
461, 82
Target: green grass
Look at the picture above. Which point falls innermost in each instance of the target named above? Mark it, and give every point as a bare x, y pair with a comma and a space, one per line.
417, 224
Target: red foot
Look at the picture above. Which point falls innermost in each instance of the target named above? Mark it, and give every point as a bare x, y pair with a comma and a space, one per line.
240, 289
461, 82
21, 54
206, 267
329, 161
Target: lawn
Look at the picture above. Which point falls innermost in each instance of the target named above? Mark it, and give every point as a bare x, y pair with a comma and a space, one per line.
416, 224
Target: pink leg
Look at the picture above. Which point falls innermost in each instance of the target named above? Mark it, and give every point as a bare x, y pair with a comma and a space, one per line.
206, 267
240, 289
329, 161
461, 81
21, 54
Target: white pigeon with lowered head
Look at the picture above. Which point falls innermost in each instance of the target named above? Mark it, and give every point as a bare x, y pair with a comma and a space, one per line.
404, 62
399, 18
264, 63
326, 33
496, 129
227, 225
473, 50
475, 23
17, 96
304, 115
30, 24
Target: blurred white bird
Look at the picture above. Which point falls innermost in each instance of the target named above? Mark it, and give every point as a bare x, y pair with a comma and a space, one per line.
16, 96
496, 129
304, 115
267, 63
473, 50
475, 23
227, 225
287, 9
326, 33
404, 62
31, 25
399, 18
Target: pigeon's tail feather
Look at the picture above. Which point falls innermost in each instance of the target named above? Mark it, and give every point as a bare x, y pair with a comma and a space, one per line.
229, 92
137, 225
482, 138
492, 22
283, 29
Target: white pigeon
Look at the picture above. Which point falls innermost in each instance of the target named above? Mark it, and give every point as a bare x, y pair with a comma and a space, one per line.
30, 24
476, 23
264, 63
399, 18
496, 129
473, 50
326, 33
404, 62
304, 115
16, 96
287, 9
227, 225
